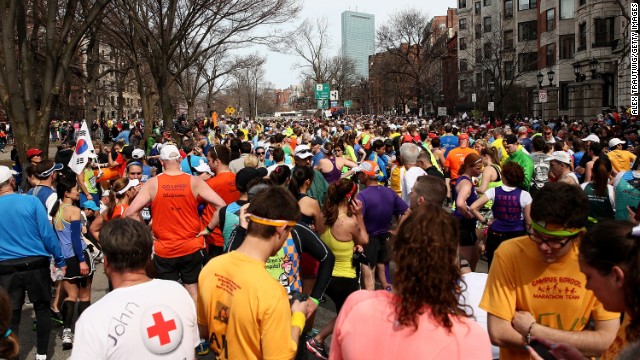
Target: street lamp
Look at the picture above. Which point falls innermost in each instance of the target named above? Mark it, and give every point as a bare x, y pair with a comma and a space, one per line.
540, 78
492, 91
593, 65
550, 75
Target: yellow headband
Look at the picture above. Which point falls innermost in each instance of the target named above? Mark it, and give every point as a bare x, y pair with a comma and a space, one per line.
271, 222
557, 232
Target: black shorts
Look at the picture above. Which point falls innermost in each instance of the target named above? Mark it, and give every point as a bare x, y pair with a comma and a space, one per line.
31, 275
73, 269
340, 288
376, 250
468, 236
184, 269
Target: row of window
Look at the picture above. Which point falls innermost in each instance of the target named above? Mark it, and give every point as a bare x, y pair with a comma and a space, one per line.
567, 7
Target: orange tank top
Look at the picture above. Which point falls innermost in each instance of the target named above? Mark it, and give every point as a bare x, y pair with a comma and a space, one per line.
175, 217
118, 211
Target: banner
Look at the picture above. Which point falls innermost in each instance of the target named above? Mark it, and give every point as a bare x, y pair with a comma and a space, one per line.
83, 151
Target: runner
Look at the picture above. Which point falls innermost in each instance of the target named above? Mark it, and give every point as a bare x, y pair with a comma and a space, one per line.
122, 193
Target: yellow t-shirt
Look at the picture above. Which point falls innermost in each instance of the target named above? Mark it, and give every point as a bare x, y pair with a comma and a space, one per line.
246, 310
554, 294
621, 160
620, 341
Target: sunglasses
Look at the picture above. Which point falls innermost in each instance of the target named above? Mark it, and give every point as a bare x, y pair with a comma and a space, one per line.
260, 153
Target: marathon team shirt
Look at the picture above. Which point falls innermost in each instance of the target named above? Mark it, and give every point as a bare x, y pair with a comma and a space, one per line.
285, 267
555, 294
153, 320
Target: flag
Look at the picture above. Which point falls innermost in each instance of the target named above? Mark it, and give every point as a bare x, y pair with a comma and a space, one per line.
83, 151
464, 116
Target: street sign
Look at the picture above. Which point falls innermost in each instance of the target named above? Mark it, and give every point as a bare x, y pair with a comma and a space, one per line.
442, 111
323, 104
542, 96
490, 106
347, 104
334, 104
321, 91
333, 94
473, 97
230, 110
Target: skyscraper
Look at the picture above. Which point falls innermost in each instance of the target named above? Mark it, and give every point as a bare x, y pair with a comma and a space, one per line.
359, 39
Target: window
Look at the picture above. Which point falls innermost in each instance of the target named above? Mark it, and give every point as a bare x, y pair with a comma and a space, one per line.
551, 54
477, 7
567, 46
462, 4
528, 61
487, 2
463, 85
478, 80
582, 39
583, 2
567, 9
527, 30
462, 23
487, 24
526, 4
564, 95
478, 55
488, 49
604, 32
464, 65
551, 15
508, 39
508, 8
478, 31
508, 70
463, 43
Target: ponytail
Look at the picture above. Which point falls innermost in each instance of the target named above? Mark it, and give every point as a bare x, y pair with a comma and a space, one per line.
298, 177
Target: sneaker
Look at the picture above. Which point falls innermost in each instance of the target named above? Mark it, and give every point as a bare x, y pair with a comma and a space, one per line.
312, 333
317, 348
41, 357
67, 339
203, 348
56, 317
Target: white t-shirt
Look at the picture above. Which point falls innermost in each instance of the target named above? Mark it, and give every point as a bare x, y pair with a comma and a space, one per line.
472, 295
408, 180
153, 320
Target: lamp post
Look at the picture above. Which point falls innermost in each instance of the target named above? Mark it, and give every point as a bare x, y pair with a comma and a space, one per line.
593, 66
540, 77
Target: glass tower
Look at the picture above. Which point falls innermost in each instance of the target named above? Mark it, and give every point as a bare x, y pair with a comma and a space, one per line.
358, 39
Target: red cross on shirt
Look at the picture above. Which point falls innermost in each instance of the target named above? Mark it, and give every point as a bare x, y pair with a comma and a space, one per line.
161, 328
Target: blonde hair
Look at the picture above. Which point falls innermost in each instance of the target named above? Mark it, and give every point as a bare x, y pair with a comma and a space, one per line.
251, 161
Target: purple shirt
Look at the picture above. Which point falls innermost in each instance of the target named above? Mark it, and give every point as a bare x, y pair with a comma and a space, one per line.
379, 205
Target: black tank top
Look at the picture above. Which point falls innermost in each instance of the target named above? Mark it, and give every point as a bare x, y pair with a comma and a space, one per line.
304, 219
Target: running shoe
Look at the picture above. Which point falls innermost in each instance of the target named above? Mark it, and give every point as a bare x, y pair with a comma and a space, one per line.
67, 339
312, 333
56, 317
317, 348
203, 348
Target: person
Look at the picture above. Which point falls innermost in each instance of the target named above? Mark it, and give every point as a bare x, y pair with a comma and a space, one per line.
141, 318
28, 241
594, 153
600, 193
179, 243
492, 173
409, 153
448, 141
379, 205
621, 159
238, 164
428, 190
425, 162
87, 181
122, 193
345, 235
464, 193
319, 186
560, 168
535, 287
9, 347
540, 164
76, 282
524, 140
423, 318
455, 158
511, 207
518, 156
331, 165
242, 310
46, 172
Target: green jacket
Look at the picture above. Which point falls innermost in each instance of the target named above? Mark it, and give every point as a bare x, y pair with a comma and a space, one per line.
524, 160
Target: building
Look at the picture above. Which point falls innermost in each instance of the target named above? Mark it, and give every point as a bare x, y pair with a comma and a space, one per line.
443, 63
358, 39
572, 50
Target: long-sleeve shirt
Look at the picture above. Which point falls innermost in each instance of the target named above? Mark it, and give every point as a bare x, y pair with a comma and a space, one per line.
26, 230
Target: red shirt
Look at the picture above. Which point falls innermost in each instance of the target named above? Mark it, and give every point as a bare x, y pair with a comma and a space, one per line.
224, 184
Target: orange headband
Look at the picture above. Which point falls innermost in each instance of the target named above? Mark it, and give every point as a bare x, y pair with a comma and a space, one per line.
271, 222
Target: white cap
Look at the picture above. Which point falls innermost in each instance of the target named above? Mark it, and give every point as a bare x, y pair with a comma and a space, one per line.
131, 184
170, 152
6, 173
137, 154
615, 142
303, 152
592, 138
203, 168
561, 156
106, 193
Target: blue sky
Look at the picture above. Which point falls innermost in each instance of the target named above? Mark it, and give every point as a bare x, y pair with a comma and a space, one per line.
280, 68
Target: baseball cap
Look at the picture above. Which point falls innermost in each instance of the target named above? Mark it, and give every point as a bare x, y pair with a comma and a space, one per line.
91, 205
245, 175
203, 168
46, 168
615, 142
170, 152
6, 173
106, 193
33, 152
131, 184
561, 156
463, 136
302, 152
510, 139
406, 138
592, 138
137, 154
368, 167
317, 141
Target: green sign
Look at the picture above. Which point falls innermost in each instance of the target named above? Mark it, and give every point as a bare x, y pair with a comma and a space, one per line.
347, 104
323, 104
322, 91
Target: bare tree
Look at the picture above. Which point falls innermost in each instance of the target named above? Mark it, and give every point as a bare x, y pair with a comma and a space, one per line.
39, 41
248, 80
310, 41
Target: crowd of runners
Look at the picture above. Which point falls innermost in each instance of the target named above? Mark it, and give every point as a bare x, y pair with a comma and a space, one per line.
226, 236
